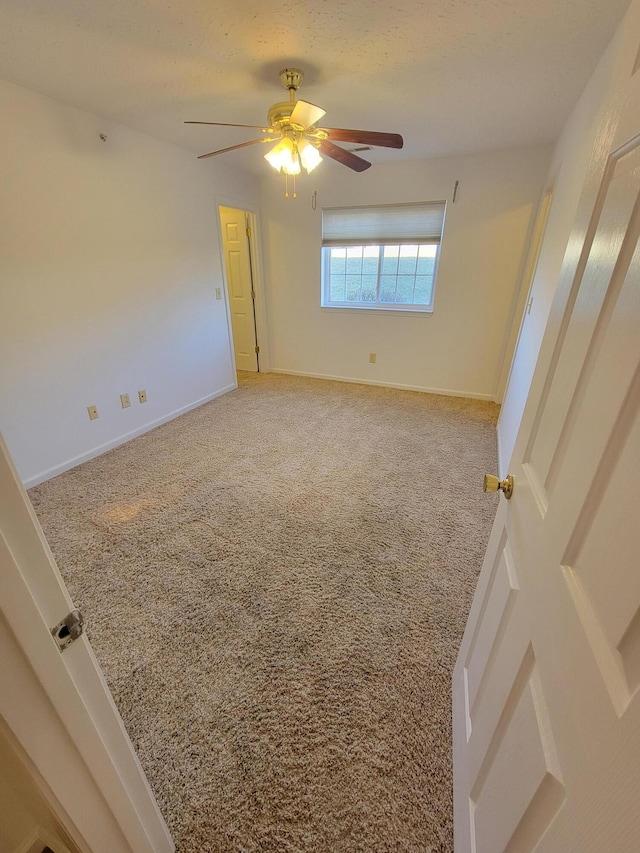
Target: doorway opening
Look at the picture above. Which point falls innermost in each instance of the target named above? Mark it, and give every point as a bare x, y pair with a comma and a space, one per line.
240, 271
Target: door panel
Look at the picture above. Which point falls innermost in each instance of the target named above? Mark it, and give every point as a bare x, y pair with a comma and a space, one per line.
546, 702
588, 313
240, 287
514, 778
509, 806
499, 602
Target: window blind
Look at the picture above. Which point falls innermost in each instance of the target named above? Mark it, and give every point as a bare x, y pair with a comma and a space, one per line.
389, 224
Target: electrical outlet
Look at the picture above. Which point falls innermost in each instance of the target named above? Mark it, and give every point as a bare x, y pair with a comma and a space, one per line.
125, 401
142, 396
218, 293
93, 413
372, 358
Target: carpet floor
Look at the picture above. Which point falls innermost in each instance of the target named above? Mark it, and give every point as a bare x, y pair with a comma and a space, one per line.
297, 560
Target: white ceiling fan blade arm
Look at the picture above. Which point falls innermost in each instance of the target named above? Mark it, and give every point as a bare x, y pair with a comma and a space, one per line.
305, 114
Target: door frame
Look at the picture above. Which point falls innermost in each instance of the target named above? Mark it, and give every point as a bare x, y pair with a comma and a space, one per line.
255, 249
525, 303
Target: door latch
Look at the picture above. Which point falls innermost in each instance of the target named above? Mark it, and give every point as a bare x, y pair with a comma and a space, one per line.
71, 627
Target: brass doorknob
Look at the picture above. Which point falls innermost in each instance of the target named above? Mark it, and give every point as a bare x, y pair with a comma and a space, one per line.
495, 484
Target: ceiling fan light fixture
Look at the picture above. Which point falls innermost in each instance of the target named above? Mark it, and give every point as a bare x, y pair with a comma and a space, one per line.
292, 125
309, 155
284, 157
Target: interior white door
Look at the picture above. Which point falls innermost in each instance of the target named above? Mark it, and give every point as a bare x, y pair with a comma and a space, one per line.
546, 702
57, 706
237, 257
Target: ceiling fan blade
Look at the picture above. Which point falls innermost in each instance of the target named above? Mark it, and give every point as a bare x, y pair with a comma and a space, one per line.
225, 124
306, 114
241, 145
345, 157
366, 137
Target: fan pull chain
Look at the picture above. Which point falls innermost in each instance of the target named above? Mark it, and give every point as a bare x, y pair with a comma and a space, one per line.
286, 185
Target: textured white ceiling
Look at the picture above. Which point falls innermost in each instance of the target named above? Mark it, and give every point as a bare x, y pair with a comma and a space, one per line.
452, 76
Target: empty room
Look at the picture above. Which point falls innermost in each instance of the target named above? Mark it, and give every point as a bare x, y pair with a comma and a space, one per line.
319, 435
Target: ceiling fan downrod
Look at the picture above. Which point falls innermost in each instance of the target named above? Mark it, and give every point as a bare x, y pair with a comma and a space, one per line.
291, 79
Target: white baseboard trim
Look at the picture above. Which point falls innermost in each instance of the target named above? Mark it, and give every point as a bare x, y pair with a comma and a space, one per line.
121, 439
446, 392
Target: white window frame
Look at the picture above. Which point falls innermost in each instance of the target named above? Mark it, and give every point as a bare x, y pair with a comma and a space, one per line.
380, 226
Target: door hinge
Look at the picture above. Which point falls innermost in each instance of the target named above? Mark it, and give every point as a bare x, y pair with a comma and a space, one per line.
248, 232
253, 294
257, 350
68, 630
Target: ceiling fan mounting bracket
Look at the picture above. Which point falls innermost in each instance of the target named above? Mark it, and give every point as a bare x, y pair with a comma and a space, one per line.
291, 78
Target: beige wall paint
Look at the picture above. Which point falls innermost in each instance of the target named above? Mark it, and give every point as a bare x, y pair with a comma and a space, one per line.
459, 349
109, 262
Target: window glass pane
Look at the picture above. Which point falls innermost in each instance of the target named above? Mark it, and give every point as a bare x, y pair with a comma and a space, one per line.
354, 283
354, 260
338, 257
427, 260
426, 266
369, 284
370, 265
337, 288
390, 260
388, 288
404, 291
408, 259
424, 290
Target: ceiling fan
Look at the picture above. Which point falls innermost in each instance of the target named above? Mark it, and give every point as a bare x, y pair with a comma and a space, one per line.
293, 126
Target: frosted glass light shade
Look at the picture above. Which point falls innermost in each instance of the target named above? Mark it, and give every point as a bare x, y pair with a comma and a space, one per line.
284, 157
281, 154
309, 155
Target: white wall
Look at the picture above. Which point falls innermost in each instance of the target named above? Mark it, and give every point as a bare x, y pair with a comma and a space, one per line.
109, 259
569, 165
460, 347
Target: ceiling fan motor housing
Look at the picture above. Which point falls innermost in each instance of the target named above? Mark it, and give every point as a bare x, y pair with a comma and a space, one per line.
280, 114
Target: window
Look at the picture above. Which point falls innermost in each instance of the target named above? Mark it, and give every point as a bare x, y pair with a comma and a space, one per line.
381, 258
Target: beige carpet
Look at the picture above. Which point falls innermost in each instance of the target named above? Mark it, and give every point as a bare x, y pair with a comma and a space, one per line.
276, 585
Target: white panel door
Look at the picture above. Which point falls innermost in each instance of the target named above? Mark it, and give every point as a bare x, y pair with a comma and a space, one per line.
240, 287
57, 706
546, 701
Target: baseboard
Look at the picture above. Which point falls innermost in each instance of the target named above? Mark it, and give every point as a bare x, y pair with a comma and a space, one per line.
446, 392
121, 439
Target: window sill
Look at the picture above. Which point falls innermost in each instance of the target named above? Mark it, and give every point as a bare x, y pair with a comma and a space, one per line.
420, 312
